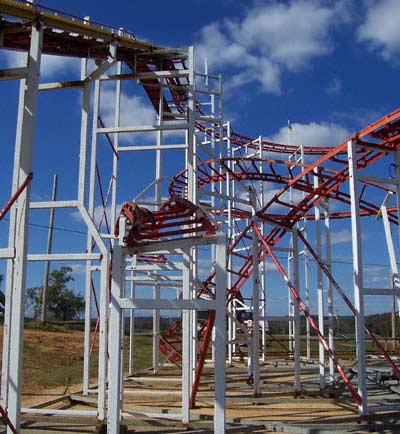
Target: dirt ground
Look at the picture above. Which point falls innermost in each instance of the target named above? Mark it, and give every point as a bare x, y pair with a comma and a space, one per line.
52, 359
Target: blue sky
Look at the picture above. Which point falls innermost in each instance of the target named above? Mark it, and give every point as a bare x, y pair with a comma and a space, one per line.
331, 67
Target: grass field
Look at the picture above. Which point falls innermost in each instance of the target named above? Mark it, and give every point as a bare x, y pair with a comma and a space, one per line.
53, 357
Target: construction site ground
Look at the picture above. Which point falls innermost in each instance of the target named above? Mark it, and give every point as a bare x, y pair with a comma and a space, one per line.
275, 409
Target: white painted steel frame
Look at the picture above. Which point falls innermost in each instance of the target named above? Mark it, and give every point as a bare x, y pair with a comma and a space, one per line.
16, 293
119, 303
357, 275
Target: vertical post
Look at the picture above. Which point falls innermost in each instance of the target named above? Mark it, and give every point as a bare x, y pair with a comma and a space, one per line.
89, 241
296, 313
306, 273
132, 330
331, 331
255, 347
156, 330
117, 116
24, 144
320, 291
256, 316
393, 269
104, 303
397, 166
48, 250
229, 194
115, 345
11, 245
263, 290
186, 341
357, 274
220, 337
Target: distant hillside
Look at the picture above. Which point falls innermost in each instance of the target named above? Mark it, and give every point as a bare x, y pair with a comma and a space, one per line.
380, 324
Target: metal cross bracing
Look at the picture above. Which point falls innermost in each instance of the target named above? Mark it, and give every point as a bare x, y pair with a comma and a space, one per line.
222, 186
333, 182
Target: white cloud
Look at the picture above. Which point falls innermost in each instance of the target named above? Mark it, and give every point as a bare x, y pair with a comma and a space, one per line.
380, 28
78, 268
313, 134
378, 275
51, 66
134, 109
269, 39
340, 237
98, 215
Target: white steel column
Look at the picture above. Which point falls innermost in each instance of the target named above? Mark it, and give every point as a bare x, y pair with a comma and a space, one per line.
220, 337
11, 245
156, 330
89, 248
320, 291
254, 355
115, 344
230, 229
132, 329
395, 282
158, 199
103, 336
397, 165
186, 341
357, 275
262, 279
331, 331
24, 147
296, 313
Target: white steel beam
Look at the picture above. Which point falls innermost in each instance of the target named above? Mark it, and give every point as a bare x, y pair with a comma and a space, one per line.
143, 128
220, 338
320, 292
64, 256
24, 143
357, 275
115, 343
296, 314
164, 304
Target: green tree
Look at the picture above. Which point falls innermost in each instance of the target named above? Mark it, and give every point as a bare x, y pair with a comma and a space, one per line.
63, 304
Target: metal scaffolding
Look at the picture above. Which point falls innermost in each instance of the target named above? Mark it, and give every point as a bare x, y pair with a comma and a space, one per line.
219, 201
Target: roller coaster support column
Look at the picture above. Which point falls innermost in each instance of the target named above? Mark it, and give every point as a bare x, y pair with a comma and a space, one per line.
397, 165
22, 169
116, 345
262, 269
186, 340
89, 241
296, 314
93, 236
255, 334
393, 264
188, 332
132, 330
158, 198
230, 225
330, 289
320, 290
220, 337
357, 275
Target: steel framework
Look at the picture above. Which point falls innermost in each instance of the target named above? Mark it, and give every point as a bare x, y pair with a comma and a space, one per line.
220, 200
